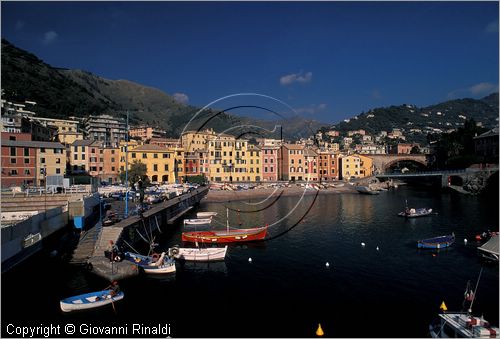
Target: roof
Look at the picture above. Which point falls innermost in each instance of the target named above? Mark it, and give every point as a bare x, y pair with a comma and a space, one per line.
491, 133
294, 146
33, 144
310, 153
81, 143
491, 245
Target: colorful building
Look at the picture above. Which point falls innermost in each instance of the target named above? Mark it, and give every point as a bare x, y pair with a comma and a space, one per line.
158, 160
269, 155
253, 164
293, 162
18, 160
311, 165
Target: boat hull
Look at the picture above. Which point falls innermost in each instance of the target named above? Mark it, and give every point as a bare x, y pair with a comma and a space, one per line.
201, 254
163, 269
422, 212
242, 235
436, 243
89, 301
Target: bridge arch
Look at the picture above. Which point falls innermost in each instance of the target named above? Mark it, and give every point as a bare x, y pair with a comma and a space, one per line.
401, 159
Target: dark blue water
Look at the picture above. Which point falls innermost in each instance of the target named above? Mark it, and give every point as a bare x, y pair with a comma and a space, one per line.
287, 290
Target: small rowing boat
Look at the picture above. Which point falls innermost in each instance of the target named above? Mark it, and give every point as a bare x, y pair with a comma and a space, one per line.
89, 300
437, 242
198, 254
206, 214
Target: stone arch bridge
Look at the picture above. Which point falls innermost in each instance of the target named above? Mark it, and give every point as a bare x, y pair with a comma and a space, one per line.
382, 162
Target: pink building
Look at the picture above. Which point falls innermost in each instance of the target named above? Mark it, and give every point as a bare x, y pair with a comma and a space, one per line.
269, 155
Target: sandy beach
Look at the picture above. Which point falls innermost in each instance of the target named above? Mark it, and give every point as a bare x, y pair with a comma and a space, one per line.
225, 196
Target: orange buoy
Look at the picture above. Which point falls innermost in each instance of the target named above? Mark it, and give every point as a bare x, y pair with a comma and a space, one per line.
319, 331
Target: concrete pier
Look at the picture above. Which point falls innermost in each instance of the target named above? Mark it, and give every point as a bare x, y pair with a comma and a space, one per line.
164, 213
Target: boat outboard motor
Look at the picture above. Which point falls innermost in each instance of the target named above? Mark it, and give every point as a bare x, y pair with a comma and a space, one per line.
173, 251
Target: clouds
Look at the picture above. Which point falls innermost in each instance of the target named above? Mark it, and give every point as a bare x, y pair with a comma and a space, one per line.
478, 90
311, 109
181, 98
300, 77
49, 37
492, 27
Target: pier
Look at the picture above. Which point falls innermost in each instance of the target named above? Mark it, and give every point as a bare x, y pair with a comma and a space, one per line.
90, 250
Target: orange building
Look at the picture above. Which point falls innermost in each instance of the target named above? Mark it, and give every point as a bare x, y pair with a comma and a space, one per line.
292, 165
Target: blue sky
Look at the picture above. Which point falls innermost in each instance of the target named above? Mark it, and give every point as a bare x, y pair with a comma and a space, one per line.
327, 60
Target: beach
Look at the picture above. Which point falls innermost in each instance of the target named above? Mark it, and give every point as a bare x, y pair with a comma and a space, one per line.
257, 193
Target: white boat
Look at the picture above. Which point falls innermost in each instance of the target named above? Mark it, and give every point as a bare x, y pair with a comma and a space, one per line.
463, 324
198, 254
489, 250
366, 190
197, 221
415, 212
206, 214
89, 300
164, 265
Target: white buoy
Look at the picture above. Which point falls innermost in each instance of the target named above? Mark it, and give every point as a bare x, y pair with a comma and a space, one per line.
327, 264
249, 259
363, 244
377, 248
465, 241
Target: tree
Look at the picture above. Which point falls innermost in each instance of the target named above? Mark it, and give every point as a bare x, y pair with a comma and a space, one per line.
415, 150
136, 172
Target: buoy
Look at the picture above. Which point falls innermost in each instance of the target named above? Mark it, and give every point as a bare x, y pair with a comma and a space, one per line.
363, 244
327, 264
443, 307
433, 255
249, 259
465, 241
319, 331
377, 248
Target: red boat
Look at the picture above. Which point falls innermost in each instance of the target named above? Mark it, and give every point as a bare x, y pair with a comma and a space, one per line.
224, 236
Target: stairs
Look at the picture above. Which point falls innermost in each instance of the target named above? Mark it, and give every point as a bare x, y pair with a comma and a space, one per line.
107, 234
86, 245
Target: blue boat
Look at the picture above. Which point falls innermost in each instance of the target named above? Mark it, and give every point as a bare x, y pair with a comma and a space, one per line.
90, 300
437, 242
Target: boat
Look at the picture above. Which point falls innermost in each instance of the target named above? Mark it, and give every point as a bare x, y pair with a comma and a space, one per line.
462, 324
489, 250
226, 236
89, 300
197, 221
414, 212
366, 190
154, 264
198, 254
437, 242
206, 214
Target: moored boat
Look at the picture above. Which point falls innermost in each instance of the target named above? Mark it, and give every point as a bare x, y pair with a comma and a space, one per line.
415, 212
366, 190
489, 250
202, 215
437, 242
225, 236
199, 254
197, 221
89, 300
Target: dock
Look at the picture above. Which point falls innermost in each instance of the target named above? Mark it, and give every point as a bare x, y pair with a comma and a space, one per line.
90, 250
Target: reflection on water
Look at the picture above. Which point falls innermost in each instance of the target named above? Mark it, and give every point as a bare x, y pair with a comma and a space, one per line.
286, 290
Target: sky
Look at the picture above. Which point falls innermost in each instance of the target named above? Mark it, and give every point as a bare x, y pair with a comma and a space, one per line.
327, 60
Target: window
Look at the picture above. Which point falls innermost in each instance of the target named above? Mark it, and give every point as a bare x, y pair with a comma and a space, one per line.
83, 156
155, 155
42, 160
112, 151
42, 149
101, 151
75, 148
26, 161
112, 159
27, 172
155, 167
12, 160
58, 160
83, 149
112, 169
13, 172
12, 151
26, 152
166, 167
133, 155
76, 156
58, 171
13, 138
144, 155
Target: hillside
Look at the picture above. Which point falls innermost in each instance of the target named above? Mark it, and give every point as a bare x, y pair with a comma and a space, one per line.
64, 92
443, 116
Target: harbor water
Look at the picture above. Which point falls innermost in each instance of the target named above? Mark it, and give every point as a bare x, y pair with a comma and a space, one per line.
386, 288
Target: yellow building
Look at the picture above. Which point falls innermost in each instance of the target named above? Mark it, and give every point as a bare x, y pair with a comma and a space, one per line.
254, 166
193, 141
355, 166
68, 138
366, 165
123, 150
159, 162
51, 160
78, 156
